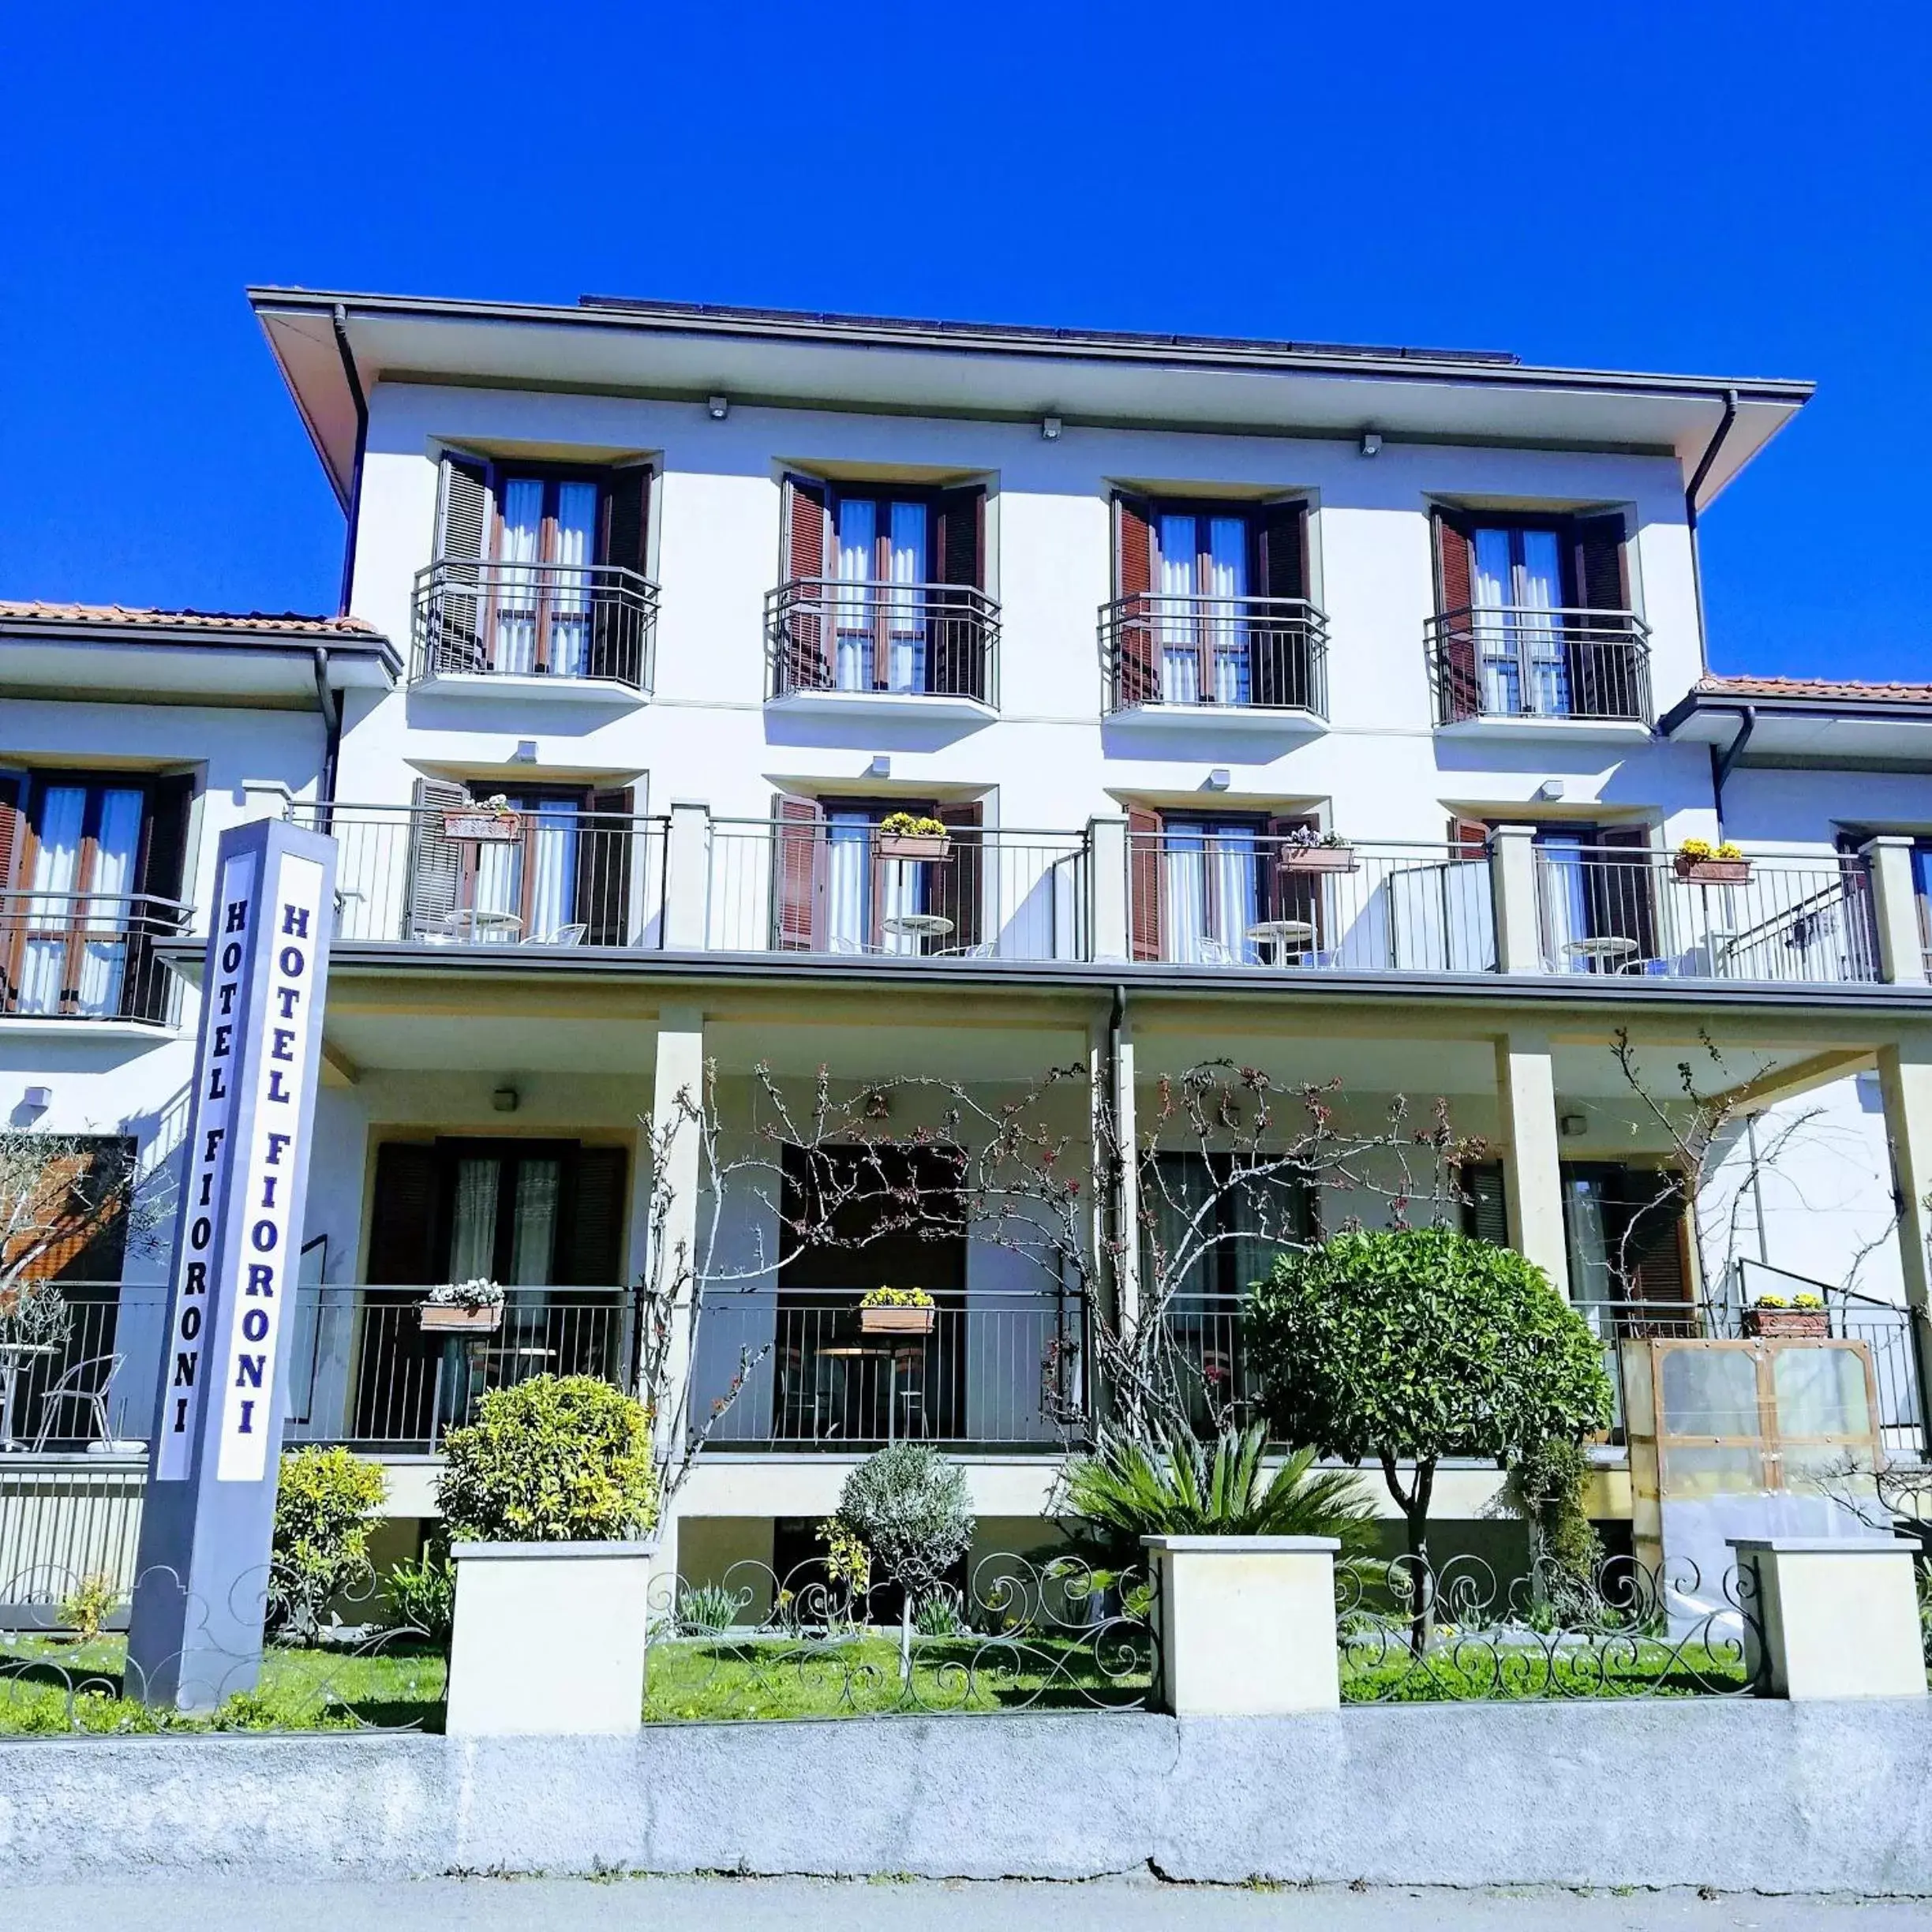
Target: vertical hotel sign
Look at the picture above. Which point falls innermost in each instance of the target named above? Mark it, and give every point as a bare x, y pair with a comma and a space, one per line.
195, 1635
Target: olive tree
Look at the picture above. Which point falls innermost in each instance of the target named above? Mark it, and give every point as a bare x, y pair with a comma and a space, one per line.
1412, 1344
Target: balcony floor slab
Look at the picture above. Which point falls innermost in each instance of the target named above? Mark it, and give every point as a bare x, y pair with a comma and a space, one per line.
491, 684
853, 706
1549, 730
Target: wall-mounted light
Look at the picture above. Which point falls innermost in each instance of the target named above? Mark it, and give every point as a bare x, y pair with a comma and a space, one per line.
720, 407
526, 752
1371, 444
1049, 429
36, 1100
1219, 778
880, 766
504, 1100
1574, 1126
1550, 788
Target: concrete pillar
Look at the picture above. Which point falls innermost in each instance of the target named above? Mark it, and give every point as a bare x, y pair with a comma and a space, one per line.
1532, 1173
1106, 842
677, 1100
1830, 1619
1246, 1625
1513, 891
1895, 905
1905, 1083
688, 878
1127, 1186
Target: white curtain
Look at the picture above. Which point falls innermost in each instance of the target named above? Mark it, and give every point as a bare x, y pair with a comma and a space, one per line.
849, 871
499, 886
1231, 882
1226, 625
516, 589
553, 832
570, 619
1566, 909
103, 959
906, 622
1539, 595
56, 872
472, 1228
532, 1235
855, 542
1184, 891
1502, 675
1180, 646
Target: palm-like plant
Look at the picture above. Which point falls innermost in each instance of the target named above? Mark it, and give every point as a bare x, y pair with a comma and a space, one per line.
1173, 1486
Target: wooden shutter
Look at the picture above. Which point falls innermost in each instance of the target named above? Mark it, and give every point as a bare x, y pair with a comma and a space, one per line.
1468, 838
1620, 897
453, 625
1291, 895
956, 886
626, 514
403, 1222
1485, 1206
164, 862
956, 657
806, 649
1144, 882
798, 869
1136, 675
1280, 670
590, 1243
10, 840
1458, 689
603, 903
462, 510
1601, 584
617, 629
1603, 678
159, 876
434, 860
1647, 1237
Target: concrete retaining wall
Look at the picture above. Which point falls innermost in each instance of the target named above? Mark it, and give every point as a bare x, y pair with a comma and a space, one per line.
1745, 1796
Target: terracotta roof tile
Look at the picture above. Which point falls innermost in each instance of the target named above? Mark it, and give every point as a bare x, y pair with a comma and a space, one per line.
292, 622
1829, 688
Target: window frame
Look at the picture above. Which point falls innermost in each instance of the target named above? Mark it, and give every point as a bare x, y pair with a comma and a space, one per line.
497, 476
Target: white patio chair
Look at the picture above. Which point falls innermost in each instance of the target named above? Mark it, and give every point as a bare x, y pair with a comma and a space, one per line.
571, 935
86, 1383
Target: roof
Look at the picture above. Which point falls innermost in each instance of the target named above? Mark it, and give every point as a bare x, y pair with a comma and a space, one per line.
1826, 723
1832, 691
329, 345
112, 616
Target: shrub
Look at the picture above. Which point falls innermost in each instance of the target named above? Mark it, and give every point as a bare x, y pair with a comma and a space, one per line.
556, 1459
94, 1599
422, 1595
907, 1505
1545, 1486
326, 1501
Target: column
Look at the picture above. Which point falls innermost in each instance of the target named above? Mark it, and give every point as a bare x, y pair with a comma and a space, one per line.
1905, 1081
1107, 844
688, 878
1116, 1185
1513, 893
1894, 906
1532, 1174
677, 1092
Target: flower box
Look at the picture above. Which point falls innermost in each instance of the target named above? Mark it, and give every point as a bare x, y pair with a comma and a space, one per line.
452, 1318
1713, 871
913, 845
1320, 858
918, 1321
487, 827
1787, 1324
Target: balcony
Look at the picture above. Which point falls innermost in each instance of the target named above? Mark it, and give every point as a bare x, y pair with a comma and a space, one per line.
588, 629
1618, 911
1251, 663
88, 957
1548, 672
857, 650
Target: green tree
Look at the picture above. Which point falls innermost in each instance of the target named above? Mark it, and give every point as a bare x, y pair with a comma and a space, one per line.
1411, 1344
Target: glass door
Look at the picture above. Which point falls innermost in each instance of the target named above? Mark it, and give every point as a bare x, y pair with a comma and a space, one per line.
1201, 613
1518, 591
85, 842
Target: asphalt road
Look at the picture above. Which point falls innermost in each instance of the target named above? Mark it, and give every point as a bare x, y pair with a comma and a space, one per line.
799, 1905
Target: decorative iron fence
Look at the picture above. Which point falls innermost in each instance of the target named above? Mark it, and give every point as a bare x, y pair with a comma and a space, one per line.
1215, 652
833, 634
561, 620
1611, 909
1208, 894
562, 877
89, 956
827, 886
1516, 662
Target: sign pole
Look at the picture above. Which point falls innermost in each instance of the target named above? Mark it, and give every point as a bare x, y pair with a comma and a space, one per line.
200, 1592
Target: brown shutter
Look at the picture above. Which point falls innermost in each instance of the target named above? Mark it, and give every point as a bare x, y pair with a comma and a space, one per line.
452, 626
1281, 550
164, 863
590, 1249
1291, 895
402, 1248
434, 860
1144, 882
1619, 896
1485, 1206
160, 876
955, 886
1280, 669
626, 511
1604, 680
1458, 690
9, 827
617, 634
798, 867
807, 656
603, 904
1600, 582
1136, 678
956, 658
1468, 838
1647, 1243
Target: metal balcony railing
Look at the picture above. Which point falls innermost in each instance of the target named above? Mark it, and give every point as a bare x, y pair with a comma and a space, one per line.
562, 620
1225, 895
1513, 660
827, 634
831, 887
1246, 653
565, 877
88, 956
1606, 910
998, 1368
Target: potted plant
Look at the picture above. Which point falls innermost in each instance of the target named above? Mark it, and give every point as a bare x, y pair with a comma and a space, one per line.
1803, 1318
464, 1307
1306, 849
906, 835
895, 1311
1699, 863
489, 821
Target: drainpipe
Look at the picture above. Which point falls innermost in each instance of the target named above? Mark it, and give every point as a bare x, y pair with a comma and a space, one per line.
1691, 515
1724, 763
361, 443
330, 707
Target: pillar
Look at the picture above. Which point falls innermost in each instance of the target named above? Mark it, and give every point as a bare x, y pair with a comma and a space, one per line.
1827, 1618
1532, 1171
677, 1175
1895, 905
1106, 844
1513, 893
688, 878
1905, 1082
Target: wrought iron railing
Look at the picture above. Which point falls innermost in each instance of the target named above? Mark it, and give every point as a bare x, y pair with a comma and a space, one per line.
1204, 894
564, 620
796, 1367
88, 956
1614, 910
820, 886
828, 634
1515, 661
560, 876
1215, 652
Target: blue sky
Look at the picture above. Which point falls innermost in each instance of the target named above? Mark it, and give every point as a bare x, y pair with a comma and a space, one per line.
1728, 189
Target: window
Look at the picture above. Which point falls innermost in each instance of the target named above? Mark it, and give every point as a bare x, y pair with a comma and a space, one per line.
1597, 894
1200, 885
1518, 592
835, 891
1625, 1230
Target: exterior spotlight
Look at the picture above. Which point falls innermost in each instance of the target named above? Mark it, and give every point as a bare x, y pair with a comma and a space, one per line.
720, 407
504, 1100
525, 753
1371, 444
1550, 788
36, 1100
1574, 1126
880, 766
1219, 779
1049, 429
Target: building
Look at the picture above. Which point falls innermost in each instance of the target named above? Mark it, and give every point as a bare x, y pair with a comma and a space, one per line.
656, 613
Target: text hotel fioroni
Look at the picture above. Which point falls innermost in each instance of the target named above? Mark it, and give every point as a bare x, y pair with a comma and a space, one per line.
236, 1320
